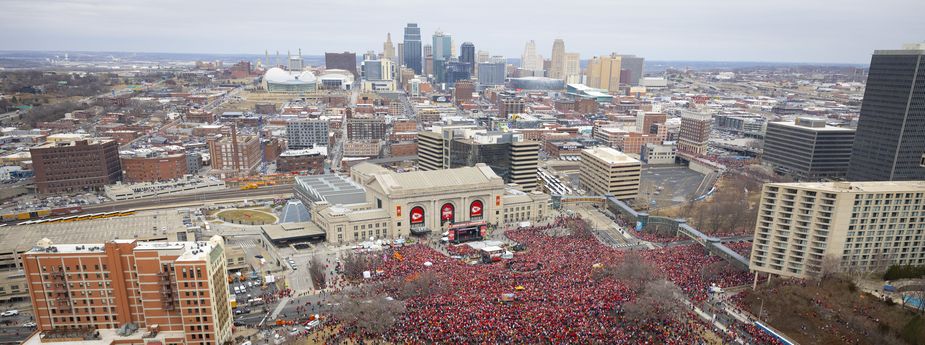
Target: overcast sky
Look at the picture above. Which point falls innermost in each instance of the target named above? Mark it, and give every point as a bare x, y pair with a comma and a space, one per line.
719, 30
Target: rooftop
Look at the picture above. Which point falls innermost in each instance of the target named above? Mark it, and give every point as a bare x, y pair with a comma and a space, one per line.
610, 155
111, 336
148, 225
335, 189
806, 127
477, 176
315, 151
859, 187
292, 231
71, 143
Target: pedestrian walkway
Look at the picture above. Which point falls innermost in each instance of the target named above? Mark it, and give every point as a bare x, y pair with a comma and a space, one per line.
279, 307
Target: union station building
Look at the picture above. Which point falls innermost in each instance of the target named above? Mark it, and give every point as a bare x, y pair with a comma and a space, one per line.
377, 203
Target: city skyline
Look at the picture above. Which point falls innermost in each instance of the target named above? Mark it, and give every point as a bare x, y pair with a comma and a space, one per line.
799, 32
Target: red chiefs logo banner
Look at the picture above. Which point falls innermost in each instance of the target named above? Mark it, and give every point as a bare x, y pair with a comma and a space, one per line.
417, 215
446, 212
475, 209
398, 211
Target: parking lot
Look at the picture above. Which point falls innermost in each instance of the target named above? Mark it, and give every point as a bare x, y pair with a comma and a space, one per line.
668, 185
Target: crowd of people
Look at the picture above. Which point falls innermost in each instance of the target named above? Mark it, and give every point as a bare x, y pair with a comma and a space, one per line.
553, 297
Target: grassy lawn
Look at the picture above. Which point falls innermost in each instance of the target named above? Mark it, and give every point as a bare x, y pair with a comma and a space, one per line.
246, 216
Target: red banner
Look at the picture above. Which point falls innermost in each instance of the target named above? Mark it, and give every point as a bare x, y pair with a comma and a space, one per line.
446, 212
475, 209
417, 215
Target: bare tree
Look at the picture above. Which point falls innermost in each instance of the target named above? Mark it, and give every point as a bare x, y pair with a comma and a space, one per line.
660, 300
365, 312
316, 271
356, 263
634, 271
829, 267
424, 284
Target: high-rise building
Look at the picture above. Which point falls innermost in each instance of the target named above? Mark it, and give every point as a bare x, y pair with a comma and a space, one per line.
442, 52
176, 292
400, 53
482, 56
412, 48
153, 166
572, 68
530, 60
806, 229
603, 72
456, 71
467, 55
378, 70
442, 45
508, 154
70, 166
890, 136
388, 49
235, 153
808, 148
509, 104
557, 62
428, 64
606, 171
366, 128
345, 61
695, 132
491, 73
632, 67
306, 133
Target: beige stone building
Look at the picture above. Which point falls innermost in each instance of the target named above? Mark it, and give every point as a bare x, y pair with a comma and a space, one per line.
804, 229
606, 171
398, 205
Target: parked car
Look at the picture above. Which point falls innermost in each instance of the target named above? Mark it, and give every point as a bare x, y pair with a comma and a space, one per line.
29, 324
10, 312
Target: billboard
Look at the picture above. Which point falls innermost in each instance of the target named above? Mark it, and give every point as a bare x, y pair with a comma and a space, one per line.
447, 212
417, 215
469, 231
475, 209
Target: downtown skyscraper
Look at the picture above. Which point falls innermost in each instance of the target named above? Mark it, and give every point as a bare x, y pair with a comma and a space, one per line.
443, 52
467, 55
557, 70
412, 48
890, 139
530, 60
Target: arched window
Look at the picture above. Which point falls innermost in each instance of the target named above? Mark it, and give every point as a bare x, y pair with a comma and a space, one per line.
476, 208
417, 215
447, 213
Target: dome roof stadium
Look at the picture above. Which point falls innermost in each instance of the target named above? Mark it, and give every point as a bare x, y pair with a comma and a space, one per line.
277, 75
537, 83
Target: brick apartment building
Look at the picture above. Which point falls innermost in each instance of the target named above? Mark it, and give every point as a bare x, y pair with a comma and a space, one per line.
235, 153
153, 168
175, 292
75, 165
309, 160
